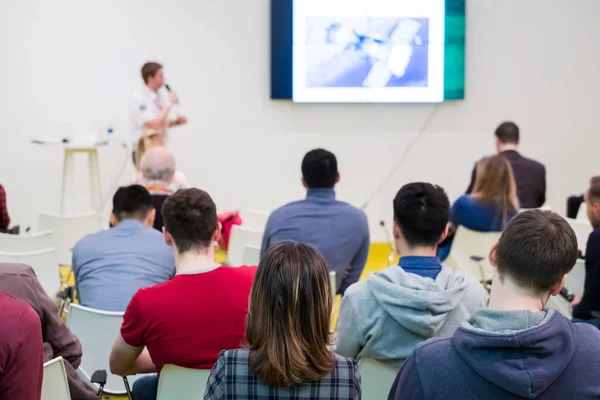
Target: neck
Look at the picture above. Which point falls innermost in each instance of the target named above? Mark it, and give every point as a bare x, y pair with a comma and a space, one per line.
508, 147
152, 88
194, 260
419, 251
506, 296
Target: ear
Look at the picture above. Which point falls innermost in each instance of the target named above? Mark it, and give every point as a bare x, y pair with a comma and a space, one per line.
304, 183
396, 231
113, 220
168, 238
445, 233
337, 179
492, 257
554, 290
217, 234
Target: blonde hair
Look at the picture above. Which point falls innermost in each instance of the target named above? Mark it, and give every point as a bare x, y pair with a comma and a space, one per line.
151, 139
495, 183
288, 321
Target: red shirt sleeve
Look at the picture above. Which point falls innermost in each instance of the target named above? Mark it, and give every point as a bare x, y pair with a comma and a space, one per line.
134, 326
4, 217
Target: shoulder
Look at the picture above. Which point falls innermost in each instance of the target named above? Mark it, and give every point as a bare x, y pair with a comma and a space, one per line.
243, 272
284, 211
356, 292
463, 202
237, 356
16, 269
353, 212
532, 163
345, 363
19, 312
432, 349
588, 339
595, 237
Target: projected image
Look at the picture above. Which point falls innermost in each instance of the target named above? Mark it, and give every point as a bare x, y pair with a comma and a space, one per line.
366, 52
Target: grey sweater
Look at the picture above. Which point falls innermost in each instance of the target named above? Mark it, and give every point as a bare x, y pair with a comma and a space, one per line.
388, 314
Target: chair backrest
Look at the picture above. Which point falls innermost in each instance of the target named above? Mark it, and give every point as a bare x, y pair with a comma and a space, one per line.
55, 385
27, 242
468, 243
576, 278
68, 230
178, 383
333, 282
582, 229
376, 379
97, 331
251, 255
253, 219
240, 238
43, 262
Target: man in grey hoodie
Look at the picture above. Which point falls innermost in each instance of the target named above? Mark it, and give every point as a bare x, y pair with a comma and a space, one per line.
517, 349
387, 315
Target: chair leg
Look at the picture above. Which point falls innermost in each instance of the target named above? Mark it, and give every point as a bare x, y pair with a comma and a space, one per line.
127, 388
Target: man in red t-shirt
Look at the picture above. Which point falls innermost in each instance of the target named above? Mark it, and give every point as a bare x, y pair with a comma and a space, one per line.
188, 320
21, 350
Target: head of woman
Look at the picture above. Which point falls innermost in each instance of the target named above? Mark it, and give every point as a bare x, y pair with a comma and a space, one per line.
288, 321
495, 183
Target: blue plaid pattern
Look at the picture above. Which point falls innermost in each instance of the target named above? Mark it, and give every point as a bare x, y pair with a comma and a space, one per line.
232, 378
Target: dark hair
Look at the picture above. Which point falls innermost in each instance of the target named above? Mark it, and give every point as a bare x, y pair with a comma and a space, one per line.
132, 202
536, 249
507, 132
319, 169
421, 211
190, 216
288, 321
594, 190
149, 70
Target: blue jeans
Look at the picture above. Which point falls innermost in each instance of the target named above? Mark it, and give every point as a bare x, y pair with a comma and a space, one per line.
145, 388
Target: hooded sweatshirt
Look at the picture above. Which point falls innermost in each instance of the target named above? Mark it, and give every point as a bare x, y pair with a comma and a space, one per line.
506, 355
388, 314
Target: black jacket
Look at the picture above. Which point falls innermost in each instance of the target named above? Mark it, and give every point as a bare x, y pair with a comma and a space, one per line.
591, 291
530, 177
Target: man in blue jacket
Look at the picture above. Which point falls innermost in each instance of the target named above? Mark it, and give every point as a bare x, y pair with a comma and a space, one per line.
516, 349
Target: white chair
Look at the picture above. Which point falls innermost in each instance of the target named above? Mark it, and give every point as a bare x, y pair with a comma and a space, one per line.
97, 331
582, 229
576, 278
560, 304
333, 282
253, 219
251, 255
467, 244
55, 385
178, 383
376, 379
43, 262
239, 239
27, 242
68, 230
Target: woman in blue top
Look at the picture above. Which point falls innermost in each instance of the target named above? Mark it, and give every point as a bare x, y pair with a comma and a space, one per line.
491, 205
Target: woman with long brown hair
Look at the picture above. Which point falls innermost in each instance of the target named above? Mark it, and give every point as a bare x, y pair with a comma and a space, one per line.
493, 201
288, 335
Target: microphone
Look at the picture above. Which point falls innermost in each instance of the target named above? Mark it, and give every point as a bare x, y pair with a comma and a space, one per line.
566, 294
168, 87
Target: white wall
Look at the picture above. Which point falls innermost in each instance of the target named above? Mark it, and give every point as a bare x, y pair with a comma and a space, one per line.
68, 64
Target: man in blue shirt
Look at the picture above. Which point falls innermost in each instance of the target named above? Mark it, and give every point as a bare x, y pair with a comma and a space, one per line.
110, 266
337, 229
385, 316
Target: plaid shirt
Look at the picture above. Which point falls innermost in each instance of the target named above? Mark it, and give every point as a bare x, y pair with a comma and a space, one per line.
4, 218
232, 378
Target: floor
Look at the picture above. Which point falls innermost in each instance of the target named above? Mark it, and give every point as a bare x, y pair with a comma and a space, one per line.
378, 260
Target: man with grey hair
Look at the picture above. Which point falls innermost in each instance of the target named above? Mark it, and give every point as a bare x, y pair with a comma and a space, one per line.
158, 171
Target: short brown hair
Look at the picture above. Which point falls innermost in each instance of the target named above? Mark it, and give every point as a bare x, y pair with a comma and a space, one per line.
536, 249
507, 132
149, 70
288, 322
594, 190
190, 216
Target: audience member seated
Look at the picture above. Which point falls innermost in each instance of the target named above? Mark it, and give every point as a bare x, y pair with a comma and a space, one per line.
530, 175
21, 350
590, 301
111, 265
388, 314
516, 349
490, 206
288, 336
337, 229
159, 177
4, 217
20, 281
190, 319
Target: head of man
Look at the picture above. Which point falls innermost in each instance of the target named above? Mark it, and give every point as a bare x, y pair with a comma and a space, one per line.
190, 221
507, 136
158, 165
535, 253
421, 215
592, 201
132, 202
153, 75
319, 170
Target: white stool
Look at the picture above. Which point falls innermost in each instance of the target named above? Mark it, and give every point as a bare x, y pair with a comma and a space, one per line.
93, 170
